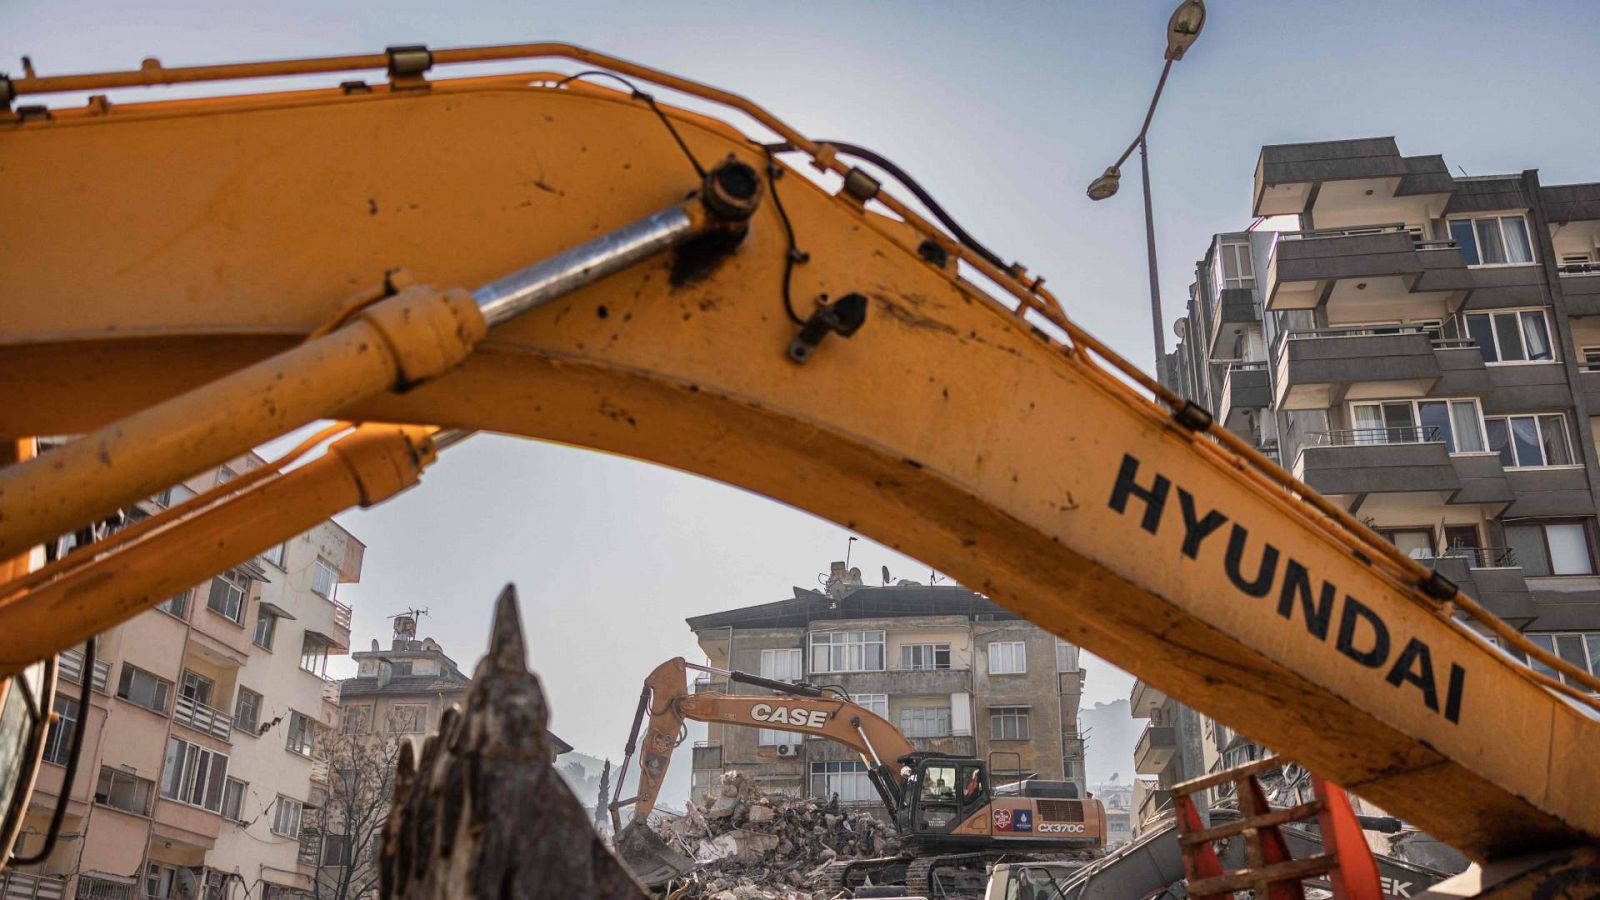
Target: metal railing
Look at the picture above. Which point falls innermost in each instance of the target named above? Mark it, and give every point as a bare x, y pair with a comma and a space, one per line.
1359, 231
1359, 437
1483, 557
23, 886
191, 712
1579, 268
91, 888
1435, 245
341, 614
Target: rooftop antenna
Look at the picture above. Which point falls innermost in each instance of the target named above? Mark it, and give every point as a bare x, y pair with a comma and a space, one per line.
848, 546
405, 623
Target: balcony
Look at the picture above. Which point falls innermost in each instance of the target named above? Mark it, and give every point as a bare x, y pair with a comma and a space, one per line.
1245, 386
1366, 274
1354, 463
1491, 576
1580, 282
202, 718
1155, 749
1319, 369
1236, 311
706, 756
1354, 180
22, 886
1144, 700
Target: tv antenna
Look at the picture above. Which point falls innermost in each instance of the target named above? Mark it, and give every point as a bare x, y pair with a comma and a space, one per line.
848, 546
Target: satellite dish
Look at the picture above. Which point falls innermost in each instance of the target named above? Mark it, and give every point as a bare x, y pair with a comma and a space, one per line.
1180, 327
886, 576
186, 886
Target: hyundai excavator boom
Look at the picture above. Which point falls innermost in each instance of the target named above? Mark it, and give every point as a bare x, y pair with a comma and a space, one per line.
168, 247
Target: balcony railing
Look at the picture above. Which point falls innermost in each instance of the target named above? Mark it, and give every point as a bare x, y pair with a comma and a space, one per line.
1481, 557
72, 669
1579, 268
341, 614
1362, 437
203, 718
22, 886
1341, 232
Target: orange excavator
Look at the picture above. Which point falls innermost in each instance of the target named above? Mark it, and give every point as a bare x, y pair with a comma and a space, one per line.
953, 821
425, 256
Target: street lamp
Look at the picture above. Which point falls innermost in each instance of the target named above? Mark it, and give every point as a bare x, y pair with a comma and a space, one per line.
1182, 30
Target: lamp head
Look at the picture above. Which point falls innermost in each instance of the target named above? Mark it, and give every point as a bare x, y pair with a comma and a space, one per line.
1184, 27
1105, 185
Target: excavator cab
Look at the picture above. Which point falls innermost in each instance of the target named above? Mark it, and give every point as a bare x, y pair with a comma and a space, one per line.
941, 793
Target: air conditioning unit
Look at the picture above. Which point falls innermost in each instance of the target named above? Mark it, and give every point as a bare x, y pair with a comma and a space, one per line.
788, 750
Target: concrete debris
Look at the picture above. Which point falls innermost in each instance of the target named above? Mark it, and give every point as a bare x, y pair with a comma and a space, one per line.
749, 845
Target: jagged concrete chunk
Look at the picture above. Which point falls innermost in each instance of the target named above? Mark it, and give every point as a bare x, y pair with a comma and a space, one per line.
484, 814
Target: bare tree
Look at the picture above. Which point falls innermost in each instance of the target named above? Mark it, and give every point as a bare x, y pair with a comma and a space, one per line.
600, 804
361, 771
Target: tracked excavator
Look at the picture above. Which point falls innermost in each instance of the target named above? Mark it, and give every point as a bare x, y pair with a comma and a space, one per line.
540, 252
953, 820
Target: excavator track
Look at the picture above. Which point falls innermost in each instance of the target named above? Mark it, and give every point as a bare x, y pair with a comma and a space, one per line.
837, 875
923, 874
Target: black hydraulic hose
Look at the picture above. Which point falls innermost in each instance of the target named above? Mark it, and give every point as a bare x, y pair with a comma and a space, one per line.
86, 676
899, 174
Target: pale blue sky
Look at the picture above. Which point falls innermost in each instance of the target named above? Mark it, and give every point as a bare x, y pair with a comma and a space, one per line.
1005, 111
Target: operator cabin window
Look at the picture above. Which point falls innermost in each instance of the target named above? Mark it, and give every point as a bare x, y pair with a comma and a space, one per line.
194, 775
1008, 723
847, 651
846, 780
324, 578
1008, 658
120, 790
1237, 270
915, 657
780, 665
144, 689
1513, 336
925, 722
1551, 548
1530, 441
1455, 423
228, 594
1493, 240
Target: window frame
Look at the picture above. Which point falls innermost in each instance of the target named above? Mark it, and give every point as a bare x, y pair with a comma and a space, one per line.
834, 773
300, 734
279, 806
314, 653
58, 738
925, 721
1544, 525
1539, 432
229, 783
277, 555
795, 661
1020, 657
928, 651
318, 567
845, 642
233, 581
421, 719
1505, 247
1245, 267
184, 776
1021, 716
1516, 312
253, 724
177, 606
1416, 421
164, 690
270, 619
345, 718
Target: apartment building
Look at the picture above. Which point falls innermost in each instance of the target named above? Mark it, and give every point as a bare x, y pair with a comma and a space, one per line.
199, 736
953, 671
1425, 351
401, 690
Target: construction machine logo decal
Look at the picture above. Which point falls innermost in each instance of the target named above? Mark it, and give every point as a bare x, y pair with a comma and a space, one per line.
1013, 820
798, 716
1360, 633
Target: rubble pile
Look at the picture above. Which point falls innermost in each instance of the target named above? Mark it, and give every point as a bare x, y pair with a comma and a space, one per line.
748, 845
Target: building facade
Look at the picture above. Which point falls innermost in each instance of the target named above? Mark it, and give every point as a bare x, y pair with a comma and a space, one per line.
953, 671
198, 766
1425, 351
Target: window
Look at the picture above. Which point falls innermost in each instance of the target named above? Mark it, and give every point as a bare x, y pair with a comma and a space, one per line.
58, 742
194, 775
228, 593
783, 665
1493, 240
924, 656
173, 496
176, 605
1591, 359
1008, 723
1066, 656
1527, 441
877, 704
159, 879
143, 689
1515, 336
408, 719
121, 790
847, 780
1237, 271
1008, 658
336, 850
233, 792
314, 653
72, 670
920, 722
195, 687
1416, 543
1551, 548
324, 578
302, 734
225, 475
357, 720
847, 651
275, 555
286, 817
400, 668
247, 711
1454, 422
266, 629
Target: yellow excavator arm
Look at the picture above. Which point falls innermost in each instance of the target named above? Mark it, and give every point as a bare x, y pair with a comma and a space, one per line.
833, 350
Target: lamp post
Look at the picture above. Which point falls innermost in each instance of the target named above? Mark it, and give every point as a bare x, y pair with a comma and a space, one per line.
1182, 29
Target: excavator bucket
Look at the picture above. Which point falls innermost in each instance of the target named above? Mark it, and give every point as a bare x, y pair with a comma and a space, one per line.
650, 859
